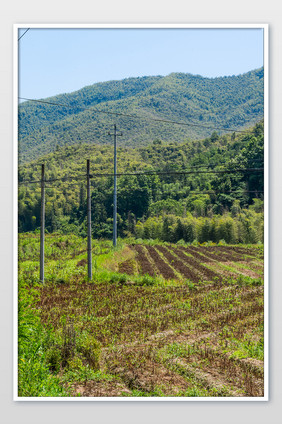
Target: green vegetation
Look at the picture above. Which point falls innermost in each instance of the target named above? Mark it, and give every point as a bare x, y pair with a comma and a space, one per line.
132, 334
228, 102
246, 227
176, 309
34, 377
168, 207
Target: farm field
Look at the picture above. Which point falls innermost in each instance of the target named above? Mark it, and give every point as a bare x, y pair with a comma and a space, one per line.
157, 320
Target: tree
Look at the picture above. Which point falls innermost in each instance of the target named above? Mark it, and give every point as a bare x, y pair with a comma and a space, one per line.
214, 137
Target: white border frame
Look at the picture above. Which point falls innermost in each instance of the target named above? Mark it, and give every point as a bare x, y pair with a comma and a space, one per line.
265, 28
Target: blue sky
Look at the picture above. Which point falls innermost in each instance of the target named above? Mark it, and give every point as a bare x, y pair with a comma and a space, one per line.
54, 61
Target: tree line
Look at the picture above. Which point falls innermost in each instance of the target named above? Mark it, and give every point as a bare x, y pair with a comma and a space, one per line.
150, 204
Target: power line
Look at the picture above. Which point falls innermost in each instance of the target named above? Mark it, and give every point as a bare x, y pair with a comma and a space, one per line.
68, 185
63, 179
23, 34
226, 192
49, 103
66, 178
211, 192
145, 173
240, 191
178, 172
192, 167
167, 121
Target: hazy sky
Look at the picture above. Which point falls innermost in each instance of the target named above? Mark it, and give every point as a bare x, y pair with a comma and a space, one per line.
54, 61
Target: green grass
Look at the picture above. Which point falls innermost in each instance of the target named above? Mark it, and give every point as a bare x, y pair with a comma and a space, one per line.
34, 376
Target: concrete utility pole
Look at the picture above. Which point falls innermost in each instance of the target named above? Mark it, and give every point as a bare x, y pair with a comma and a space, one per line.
89, 247
42, 226
115, 134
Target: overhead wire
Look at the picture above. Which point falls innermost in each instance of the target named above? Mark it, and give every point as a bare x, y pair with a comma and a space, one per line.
145, 173
167, 121
176, 172
23, 34
225, 192
210, 192
69, 184
63, 179
148, 173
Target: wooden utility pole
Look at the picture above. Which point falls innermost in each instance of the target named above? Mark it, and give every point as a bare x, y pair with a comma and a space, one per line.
42, 224
115, 134
89, 247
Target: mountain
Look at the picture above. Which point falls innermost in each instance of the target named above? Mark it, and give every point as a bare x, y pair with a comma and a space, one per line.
234, 102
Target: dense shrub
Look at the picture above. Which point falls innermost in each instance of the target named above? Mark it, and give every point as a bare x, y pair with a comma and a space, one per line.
246, 227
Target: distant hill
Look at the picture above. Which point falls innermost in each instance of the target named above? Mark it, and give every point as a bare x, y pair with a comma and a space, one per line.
229, 102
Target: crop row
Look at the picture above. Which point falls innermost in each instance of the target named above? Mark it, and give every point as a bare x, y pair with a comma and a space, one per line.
204, 263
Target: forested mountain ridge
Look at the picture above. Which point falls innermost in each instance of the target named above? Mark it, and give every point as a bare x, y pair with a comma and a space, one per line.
228, 102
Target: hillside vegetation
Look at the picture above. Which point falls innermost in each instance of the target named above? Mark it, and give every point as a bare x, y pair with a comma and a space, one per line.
228, 102
203, 205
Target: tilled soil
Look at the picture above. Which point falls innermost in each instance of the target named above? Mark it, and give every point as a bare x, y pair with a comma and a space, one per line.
145, 265
168, 339
231, 254
207, 273
245, 251
163, 268
200, 255
217, 254
242, 270
161, 345
170, 261
92, 388
147, 375
179, 265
